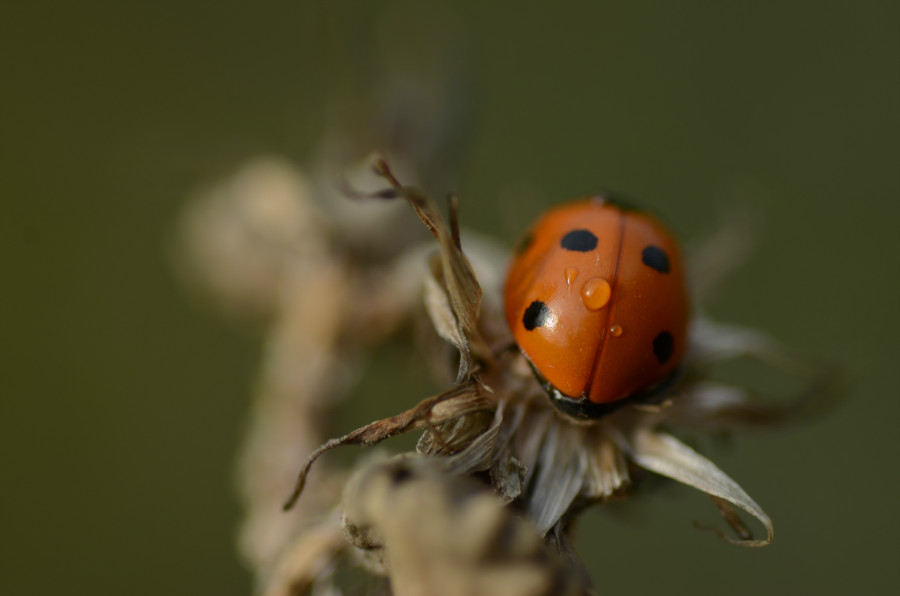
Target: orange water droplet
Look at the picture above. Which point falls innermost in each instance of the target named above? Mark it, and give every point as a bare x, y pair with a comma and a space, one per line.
571, 274
595, 293
616, 330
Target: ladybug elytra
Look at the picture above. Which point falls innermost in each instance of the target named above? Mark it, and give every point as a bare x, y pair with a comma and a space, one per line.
595, 298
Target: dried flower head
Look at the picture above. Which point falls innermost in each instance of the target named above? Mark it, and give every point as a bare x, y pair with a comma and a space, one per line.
497, 422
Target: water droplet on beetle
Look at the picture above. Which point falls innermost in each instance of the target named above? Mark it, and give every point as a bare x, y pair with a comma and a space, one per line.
571, 274
595, 293
616, 330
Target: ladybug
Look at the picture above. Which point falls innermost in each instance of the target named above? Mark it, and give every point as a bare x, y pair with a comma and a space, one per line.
596, 300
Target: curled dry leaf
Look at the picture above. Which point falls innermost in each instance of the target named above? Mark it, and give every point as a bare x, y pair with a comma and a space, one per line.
451, 269
462, 400
664, 455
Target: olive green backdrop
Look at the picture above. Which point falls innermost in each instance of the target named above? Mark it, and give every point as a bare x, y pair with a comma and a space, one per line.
122, 403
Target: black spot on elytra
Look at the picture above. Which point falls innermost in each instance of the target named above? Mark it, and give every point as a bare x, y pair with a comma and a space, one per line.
524, 243
579, 240
663, 346
536, 315
655, 258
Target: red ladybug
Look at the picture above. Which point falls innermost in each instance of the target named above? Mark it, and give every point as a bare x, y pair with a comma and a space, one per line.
596, 300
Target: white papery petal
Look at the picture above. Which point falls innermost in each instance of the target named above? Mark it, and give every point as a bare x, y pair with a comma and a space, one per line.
607, 470
530, 440
561, 471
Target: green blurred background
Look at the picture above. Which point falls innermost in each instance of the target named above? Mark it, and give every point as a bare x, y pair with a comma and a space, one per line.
123, 402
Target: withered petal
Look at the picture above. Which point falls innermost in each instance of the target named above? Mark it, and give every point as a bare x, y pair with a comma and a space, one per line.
665, 455
561, 467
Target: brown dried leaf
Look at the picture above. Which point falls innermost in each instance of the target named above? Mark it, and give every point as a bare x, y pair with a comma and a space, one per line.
463, 399
455, 273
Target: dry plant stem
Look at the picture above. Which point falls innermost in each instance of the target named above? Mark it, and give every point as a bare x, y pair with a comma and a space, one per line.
467, 399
